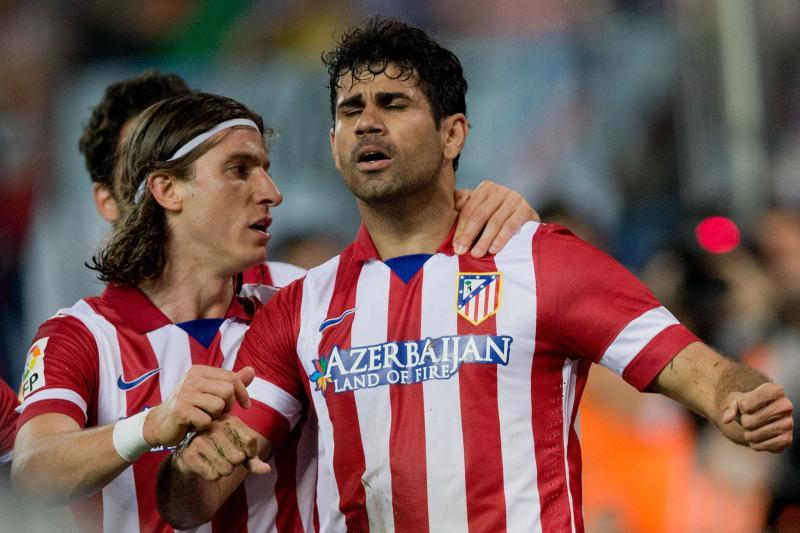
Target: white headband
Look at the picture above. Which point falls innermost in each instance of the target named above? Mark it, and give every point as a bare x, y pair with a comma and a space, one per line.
197, 141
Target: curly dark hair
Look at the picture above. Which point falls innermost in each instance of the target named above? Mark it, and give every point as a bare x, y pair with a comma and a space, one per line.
137, 248
121, 102
370, 49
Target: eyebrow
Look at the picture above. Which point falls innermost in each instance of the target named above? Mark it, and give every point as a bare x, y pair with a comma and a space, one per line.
357, 100
248, 157
384, 98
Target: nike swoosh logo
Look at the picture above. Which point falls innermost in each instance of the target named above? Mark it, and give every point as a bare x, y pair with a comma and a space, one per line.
335, 321
128, 385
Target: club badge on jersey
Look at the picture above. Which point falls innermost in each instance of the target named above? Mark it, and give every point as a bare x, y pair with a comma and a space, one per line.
33, 376
478, 295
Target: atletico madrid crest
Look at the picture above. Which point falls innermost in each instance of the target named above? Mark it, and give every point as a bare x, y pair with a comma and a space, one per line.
478, 295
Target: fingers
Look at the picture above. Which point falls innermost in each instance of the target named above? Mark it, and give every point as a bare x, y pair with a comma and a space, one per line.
519, 216
225, 384
245, 377
492, 229
780, 408
730, 408
207, 459
775, 444
216, 452
205, 393
767, 432
256, 466
461, 197
495, 213
765, 413
469, 222
762, 395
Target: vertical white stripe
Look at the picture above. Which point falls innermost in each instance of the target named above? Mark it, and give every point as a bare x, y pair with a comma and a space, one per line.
471, 312
231, 336
317, 291
112, 404
517, 318
171, 346
120, 508
262, 506
447, 496
569, 376
373, 405
481, 310
491, 301
306, 474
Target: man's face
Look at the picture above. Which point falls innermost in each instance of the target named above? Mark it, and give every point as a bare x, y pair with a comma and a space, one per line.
224, 217
384, 141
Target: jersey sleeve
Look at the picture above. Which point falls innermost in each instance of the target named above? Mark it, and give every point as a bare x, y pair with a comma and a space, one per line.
270, 347
596, 309
8, 421
61, 371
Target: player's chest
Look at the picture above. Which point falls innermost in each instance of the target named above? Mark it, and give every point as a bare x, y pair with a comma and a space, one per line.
384, 333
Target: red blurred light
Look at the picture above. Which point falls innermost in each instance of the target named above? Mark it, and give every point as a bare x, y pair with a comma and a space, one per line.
718, 234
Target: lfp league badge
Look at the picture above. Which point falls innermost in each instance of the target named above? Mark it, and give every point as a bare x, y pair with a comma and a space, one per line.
478, 295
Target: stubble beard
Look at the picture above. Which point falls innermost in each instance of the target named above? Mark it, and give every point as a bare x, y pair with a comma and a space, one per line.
395, 187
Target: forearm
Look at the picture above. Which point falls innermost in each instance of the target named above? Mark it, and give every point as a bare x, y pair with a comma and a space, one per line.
63, 467
186, 500
747, 407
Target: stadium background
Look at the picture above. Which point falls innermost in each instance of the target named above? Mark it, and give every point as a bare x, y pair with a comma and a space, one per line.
629, 121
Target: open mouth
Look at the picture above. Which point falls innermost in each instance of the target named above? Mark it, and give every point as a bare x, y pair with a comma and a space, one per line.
261, 226
372, 158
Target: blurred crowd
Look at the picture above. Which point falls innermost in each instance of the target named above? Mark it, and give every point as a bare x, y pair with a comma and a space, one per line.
578, 104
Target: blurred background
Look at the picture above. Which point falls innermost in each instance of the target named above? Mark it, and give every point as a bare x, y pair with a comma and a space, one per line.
629, 121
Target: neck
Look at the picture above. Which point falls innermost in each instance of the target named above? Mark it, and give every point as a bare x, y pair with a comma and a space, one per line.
416, 224
186, 292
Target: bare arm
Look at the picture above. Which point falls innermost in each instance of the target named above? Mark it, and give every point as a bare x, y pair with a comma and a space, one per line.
745, 405
492, 212
195, 481
56, 461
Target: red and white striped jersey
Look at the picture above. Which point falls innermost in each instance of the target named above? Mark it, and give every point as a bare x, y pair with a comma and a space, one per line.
449, 403
8, 422
112, 356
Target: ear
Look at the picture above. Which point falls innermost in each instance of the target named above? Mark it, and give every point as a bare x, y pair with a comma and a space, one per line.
332, 138
167, 190
105, 203
454, 132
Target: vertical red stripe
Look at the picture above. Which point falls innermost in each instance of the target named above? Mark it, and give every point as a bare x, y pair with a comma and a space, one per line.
349, 463
138, 358
288, 517
483, 462
548, 420
574, 448
407, 458
267, 280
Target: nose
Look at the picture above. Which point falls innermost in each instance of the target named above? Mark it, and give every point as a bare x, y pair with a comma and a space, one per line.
369, 121
267, 192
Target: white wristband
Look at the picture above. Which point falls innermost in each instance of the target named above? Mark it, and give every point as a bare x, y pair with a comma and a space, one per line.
128, 437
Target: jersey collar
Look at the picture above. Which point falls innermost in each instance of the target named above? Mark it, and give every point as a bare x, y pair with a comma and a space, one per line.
364, 249
143, 316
